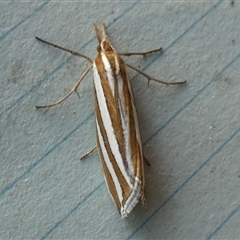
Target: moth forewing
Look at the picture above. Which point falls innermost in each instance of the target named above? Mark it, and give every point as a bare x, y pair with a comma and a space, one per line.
118, 137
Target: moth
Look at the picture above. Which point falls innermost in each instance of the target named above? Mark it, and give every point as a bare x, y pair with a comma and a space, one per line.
118, 137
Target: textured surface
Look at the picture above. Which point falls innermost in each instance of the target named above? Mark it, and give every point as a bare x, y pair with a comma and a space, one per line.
190, 133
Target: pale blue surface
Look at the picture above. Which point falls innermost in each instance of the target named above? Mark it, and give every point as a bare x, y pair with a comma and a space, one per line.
190, 133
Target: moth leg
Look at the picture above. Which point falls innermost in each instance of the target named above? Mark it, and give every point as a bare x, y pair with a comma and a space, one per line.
154, 79
87, 153
64, 49
74, 89
146, 161
141, 53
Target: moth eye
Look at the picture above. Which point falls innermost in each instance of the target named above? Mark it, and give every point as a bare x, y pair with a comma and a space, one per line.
98, 48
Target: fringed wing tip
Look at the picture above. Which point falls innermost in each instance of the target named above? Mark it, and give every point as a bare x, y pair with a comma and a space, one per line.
133, 199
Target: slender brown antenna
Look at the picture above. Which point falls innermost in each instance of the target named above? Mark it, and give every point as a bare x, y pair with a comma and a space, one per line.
97, 33
104, 29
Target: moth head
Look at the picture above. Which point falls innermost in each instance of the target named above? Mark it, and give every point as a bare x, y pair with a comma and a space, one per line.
103, 43
106, 46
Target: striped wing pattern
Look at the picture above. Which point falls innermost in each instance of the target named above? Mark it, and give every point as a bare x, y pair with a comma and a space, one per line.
118, 137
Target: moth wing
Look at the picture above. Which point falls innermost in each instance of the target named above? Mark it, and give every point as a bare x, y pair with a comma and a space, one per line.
118, 136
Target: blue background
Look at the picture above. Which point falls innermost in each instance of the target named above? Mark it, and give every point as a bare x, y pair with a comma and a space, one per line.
190, 133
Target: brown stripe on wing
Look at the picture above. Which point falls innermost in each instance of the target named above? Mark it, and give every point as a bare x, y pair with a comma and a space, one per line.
112, 104
126, 189
108, 178
137, 155
129, 102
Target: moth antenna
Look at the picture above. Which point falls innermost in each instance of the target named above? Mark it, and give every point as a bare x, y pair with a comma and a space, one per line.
104, 29
97, 33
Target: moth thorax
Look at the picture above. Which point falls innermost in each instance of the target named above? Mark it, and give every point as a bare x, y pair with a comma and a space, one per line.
106, 46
